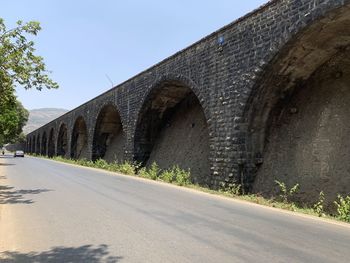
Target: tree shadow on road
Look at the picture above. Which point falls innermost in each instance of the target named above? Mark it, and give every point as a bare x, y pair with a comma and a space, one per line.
8, 195
86, 254
7, 164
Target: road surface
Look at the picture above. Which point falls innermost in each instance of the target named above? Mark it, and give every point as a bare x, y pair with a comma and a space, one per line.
54, 212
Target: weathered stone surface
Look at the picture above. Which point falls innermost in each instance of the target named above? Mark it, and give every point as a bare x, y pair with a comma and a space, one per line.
245, 77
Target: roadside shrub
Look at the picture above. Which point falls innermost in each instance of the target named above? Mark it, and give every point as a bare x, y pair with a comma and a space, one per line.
182, 177
168, 176
172, 175
318, 206
84, 162
231, 188
285, 193
234, 189
100, 163
343, 208
153, 171
59, 158
176, 175
143, 172
126, 168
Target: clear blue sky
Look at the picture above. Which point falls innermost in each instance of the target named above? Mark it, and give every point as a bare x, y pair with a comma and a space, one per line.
83, 41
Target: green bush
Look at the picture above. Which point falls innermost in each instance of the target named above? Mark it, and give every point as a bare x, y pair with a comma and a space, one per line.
343, 208
172, 175
168, 176
176, 175
151, 173
102, 164
286, 194
84, 162
154, 171
143, 172
233, 189
318, 207
182, 177
59, 158
126, 168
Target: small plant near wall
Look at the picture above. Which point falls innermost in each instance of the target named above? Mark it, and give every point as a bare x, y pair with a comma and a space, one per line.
285, 193
182, 177
152, 172
343, 208
143, 172
232, 189
318, 207
174, 174
126, 168
102, 164
168, 176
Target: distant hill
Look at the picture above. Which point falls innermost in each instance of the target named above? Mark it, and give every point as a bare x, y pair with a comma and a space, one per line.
39, 117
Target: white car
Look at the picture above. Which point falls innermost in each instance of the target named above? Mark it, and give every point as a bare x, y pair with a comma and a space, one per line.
19, 154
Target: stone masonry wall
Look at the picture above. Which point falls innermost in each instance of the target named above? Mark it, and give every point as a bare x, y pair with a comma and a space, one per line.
221, 69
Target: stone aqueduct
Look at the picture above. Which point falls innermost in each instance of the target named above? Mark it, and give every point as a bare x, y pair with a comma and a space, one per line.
266, 97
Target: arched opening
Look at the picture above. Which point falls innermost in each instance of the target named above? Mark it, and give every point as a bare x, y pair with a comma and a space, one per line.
172, 130
62, 143
29, 147
79, 140
299, 116
51, 144
33, 145
38, 150
109, 139
43, 144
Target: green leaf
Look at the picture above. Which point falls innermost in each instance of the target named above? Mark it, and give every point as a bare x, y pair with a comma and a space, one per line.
19, 66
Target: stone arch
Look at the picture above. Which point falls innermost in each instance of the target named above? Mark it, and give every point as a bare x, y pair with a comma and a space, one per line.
29, 146
38, 149
33, 144
79, 139
109, 138
170, 77
297, 116
51, 143
43, 144
62, 140
172, 129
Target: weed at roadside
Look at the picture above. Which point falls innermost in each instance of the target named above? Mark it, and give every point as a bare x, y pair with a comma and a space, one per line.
318, 207
343, 208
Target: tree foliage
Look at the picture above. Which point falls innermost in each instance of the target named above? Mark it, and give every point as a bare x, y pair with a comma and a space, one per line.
12, 119
19, 66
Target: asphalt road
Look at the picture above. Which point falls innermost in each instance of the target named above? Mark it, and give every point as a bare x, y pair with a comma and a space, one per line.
53, 212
